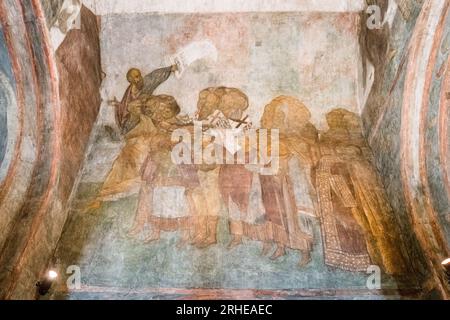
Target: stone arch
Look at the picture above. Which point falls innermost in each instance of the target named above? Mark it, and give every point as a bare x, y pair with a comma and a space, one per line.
421, 175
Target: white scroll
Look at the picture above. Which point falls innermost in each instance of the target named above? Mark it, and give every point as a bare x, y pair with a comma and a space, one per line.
197, 50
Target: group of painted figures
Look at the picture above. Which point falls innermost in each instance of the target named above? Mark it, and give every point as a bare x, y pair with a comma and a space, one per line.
327, 175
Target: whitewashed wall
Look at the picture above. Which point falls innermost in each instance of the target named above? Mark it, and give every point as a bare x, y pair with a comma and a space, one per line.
313, 56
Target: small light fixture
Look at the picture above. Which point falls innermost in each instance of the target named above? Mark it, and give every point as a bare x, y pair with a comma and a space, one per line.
45, 284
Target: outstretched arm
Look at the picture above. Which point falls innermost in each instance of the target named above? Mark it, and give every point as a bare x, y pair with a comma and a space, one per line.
155, 78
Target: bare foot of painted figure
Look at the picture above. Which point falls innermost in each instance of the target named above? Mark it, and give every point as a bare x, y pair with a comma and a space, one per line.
281, 251
152, 236
267, 246
235, 241
305, 259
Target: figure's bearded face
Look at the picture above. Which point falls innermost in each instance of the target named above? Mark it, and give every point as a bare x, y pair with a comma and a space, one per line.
164, 112
136, 79
139, 82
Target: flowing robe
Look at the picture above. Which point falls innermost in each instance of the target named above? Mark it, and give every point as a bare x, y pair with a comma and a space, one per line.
124, 177
344, 239
124, 118
278, 220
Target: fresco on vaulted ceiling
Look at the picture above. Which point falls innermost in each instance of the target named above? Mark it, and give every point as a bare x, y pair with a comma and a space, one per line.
141, 223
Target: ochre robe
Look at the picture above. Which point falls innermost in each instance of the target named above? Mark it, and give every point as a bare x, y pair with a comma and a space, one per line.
124, 177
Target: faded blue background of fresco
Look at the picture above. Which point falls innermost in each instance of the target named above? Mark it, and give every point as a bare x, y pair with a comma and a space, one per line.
109, 258
5, 69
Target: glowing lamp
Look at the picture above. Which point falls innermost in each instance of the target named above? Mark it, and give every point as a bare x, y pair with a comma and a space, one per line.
45, 284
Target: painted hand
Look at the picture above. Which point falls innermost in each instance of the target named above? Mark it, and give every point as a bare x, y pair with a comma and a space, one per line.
113, 102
